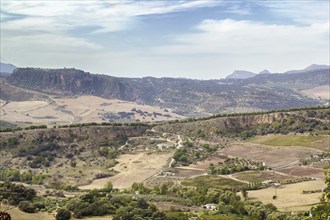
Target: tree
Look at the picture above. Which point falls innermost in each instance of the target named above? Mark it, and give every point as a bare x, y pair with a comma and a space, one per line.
245, 194
322, 211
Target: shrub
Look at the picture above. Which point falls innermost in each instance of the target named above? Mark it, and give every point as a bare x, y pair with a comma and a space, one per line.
63, 214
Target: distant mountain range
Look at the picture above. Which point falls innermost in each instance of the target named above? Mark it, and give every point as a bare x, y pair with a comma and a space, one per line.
310, 68
185, 96
6, 69
242, 74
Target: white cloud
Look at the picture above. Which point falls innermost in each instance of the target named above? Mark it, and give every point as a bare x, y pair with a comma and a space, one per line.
253, 45
109, 15
249, 38
303, 11
40, 34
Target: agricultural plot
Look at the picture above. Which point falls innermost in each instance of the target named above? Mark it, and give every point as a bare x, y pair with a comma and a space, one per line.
212, 182
321, 142
274, 157
290, 197
260, 176
133, 168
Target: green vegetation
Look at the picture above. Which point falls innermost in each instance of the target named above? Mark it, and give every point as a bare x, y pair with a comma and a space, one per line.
191, 152
6, 124
24, 177
322, 211
213, 182
290, 140
14, 194
249, 113
234, 165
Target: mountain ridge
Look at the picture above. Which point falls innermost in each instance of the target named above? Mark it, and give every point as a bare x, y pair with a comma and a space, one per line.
185, 96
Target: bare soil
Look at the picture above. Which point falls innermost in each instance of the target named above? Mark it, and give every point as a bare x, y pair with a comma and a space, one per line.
275, 157
303, 171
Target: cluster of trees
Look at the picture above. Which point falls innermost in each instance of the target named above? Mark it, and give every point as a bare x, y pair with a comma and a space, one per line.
134, 203
24, 177
191, 152
322, 211
234, 165
32, 127
14, 193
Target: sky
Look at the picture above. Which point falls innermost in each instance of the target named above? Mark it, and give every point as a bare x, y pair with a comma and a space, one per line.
199, 39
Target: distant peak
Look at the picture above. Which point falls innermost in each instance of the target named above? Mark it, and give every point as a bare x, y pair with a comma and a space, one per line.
265, 72
240, 74
6, 68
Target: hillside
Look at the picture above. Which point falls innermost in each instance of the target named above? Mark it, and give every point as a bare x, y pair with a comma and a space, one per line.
185, 96
184, 164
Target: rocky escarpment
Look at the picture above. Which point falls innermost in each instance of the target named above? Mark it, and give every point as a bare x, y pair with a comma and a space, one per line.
72, 82
185, 96
261, 123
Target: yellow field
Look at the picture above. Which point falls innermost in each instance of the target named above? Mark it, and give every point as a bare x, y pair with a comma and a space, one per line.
16, 214
72, 110
133, 168
290, 197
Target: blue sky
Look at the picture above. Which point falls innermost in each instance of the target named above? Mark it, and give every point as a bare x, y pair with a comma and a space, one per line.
206, 39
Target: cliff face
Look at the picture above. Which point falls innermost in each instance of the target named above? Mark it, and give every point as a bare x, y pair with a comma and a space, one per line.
71, 82
185, 96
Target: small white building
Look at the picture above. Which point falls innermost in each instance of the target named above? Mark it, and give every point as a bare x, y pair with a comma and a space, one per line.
266, 182
210, 207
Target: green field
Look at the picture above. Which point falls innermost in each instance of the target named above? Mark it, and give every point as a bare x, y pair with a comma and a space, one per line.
259, 176
212, 182
318, 142
223, 217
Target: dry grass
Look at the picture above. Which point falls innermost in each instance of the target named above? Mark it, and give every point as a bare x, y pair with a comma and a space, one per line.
275, 157
290, 197
133, 168
322, 92
19, 215
69, 110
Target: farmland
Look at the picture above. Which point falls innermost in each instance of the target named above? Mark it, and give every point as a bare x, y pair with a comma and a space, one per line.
69, 164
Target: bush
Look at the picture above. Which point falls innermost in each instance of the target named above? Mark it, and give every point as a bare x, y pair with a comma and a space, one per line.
63, 214
26, 206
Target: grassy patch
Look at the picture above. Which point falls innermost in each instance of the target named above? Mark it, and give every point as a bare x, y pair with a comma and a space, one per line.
18, 214
257, 176
223, 217
318, 142
6, 124
212, 182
